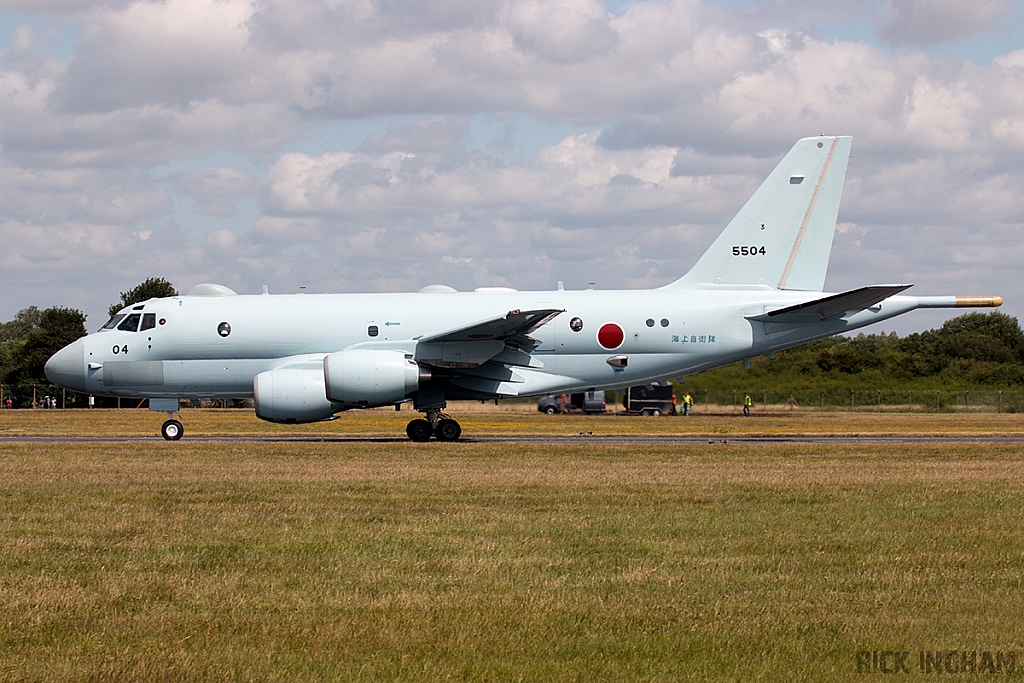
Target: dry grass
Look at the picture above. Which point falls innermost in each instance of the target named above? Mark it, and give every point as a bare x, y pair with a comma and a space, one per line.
369, 561
477, 421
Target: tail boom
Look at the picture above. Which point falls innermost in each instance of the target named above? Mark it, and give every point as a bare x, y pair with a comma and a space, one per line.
959, 301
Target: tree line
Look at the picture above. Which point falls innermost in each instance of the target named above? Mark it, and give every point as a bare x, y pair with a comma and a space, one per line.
971, 352
28, 341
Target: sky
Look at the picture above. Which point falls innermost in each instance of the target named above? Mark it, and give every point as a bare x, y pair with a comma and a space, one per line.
382, 145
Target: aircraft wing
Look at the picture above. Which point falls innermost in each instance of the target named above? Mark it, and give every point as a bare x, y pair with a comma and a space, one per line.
500, 342
833, 306
506, 327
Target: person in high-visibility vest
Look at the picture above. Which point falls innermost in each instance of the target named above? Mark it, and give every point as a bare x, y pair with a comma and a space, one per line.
687, 403
747, 402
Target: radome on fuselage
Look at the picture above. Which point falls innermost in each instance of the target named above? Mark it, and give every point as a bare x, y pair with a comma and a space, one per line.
305, 357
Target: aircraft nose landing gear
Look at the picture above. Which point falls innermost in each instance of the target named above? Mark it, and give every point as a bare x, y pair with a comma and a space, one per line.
172, 430
436, 424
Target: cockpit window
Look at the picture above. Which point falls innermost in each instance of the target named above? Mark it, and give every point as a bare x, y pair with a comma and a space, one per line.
131, 323
114, 320
148, 321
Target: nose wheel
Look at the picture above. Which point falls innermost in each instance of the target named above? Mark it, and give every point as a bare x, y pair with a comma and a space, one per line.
172, 430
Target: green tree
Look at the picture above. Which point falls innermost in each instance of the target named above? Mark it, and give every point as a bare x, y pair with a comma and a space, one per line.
26, 320
57, 328
852, 356
12, 338
153, 288
970, 351
995, 337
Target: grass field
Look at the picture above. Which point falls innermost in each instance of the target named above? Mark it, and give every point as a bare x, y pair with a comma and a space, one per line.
486, 420
587, 562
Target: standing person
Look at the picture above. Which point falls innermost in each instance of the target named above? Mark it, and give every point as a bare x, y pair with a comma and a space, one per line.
687, 403
747, 402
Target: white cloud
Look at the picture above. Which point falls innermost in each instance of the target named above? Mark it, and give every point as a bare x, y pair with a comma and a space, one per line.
221, 241
172, 53
570, 181
564, 31
51, 197
216, 189
436, 134
930, 22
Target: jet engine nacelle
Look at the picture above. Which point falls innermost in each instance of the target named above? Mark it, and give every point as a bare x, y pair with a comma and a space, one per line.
367, 378
292, 395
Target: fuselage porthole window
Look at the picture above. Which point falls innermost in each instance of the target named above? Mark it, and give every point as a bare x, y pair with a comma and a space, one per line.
576, 324
131, 323
148, 321
664, 322
114, 320
372, 331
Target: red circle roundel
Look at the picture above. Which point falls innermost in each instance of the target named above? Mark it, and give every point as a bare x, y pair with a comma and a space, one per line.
610, 336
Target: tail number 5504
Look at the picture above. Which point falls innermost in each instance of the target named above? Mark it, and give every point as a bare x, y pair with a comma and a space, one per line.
748, 251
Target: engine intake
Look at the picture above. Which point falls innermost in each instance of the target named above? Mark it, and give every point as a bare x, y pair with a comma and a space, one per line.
292, 395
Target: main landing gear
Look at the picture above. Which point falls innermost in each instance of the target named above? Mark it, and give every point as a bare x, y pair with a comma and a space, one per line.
436, 424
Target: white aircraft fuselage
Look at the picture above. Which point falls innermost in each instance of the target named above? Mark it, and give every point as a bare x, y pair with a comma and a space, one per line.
688, 334
306, 357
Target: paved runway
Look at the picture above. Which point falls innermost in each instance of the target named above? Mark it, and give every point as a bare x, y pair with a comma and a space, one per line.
545, 439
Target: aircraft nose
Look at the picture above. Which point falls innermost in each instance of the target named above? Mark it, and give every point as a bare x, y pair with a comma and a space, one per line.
66, 368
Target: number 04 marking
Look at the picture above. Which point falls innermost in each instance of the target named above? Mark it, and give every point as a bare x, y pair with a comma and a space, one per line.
748, 251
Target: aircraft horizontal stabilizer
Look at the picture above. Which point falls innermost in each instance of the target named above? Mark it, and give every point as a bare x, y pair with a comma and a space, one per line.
831, 306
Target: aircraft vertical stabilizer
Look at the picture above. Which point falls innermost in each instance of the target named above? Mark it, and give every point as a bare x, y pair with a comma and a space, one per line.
783, 235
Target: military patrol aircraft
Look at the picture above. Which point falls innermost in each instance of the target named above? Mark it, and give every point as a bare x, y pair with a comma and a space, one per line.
307, 357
